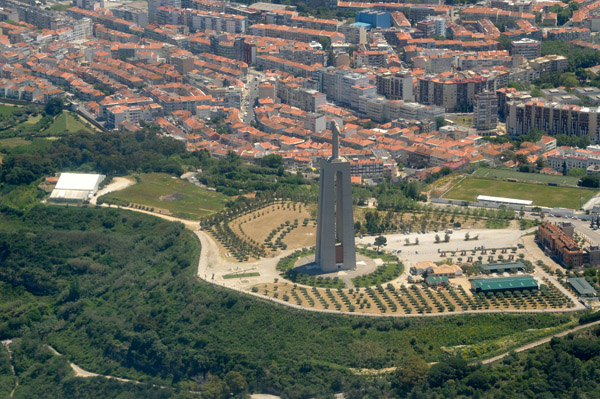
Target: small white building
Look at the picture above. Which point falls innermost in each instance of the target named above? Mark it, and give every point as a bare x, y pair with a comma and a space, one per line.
76, 187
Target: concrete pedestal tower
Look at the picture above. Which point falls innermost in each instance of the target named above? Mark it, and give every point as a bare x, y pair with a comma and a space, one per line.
335, 221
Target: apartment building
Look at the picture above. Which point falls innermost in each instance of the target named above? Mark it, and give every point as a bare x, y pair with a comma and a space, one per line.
554, 119
119, 114
315, 23
354, 33
291, 33
395, 86
370, 58
432, 26
495, 15
200, 20
549, 63
111, 102
516, 6
307, 54
154, 5
367, 167
426, 28
434, 63
342, 86
559, 244
478, 61
299, 97
456, 92
177, 96
527, 48
130, 13
485, 111
568, 34
271, 62
566, 159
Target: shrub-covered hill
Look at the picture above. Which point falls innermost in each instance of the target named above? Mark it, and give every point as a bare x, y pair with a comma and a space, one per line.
115, 292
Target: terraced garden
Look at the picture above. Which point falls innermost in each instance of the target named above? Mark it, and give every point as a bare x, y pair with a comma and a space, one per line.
397, 299
261, 229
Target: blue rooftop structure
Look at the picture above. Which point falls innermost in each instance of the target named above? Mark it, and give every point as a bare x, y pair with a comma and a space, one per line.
377, 19
362, 24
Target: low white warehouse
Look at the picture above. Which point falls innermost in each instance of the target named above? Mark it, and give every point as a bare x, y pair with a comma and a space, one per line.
76, 187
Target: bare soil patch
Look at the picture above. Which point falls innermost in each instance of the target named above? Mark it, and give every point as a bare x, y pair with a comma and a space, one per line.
172, 197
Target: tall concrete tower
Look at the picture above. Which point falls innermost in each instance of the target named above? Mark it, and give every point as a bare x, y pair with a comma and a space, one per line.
335, 221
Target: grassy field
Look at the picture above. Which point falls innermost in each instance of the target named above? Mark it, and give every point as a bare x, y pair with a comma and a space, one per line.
527, 177
181, 198
13, 142
462, 120
241, 275
6, 109
469, 188
66, 123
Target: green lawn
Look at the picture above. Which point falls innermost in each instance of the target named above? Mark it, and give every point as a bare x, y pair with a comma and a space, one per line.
13, 142
65, 123
542, 195
6, 109
527, 177
462, 120
183, 199
60, 7
241, 275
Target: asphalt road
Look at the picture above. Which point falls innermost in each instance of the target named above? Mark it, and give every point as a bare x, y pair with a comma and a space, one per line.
250, 95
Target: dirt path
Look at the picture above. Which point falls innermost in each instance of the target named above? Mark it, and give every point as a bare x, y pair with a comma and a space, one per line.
79, 372
540, 342
212, 266
190, 224
7, 343
117, 184
209, 255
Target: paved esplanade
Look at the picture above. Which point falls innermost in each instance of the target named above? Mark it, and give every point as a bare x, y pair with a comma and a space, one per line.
335, 221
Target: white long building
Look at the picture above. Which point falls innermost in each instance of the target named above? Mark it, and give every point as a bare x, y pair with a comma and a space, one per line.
76, 187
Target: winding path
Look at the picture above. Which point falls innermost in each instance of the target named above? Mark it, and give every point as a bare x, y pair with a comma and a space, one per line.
117, 183
7, 343
212, 266
79, 372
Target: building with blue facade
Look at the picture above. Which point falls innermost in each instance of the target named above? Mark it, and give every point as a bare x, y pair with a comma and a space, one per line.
376, 19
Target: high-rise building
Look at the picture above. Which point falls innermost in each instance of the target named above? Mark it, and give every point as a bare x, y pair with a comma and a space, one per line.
485, 111
395, 86
456, 92
440, 25
427, 28
335, 222
528, 48
432, 26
